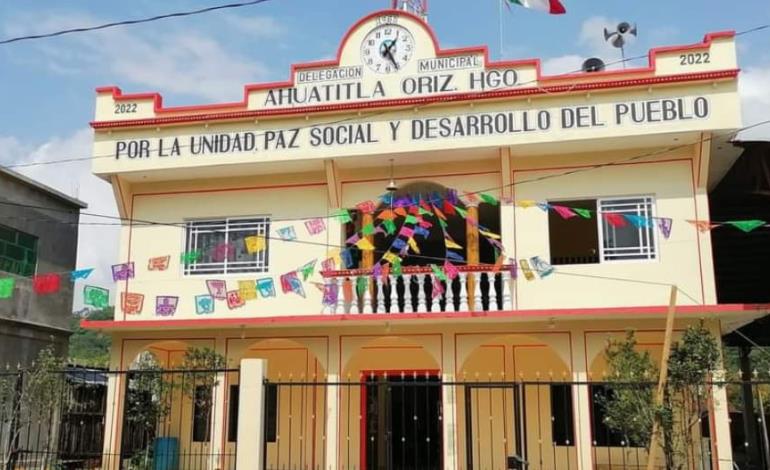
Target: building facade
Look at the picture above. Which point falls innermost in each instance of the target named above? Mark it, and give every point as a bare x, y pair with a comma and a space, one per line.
427, 215
38, 234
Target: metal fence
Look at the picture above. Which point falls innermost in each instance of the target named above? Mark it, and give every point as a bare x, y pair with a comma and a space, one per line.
400, 422
164, 419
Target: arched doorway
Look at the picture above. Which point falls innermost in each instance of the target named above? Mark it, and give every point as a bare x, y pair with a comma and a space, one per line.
296, 399
516, 401
432, 247
393, 403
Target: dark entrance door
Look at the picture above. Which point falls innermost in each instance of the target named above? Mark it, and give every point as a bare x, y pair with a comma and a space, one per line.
401, 425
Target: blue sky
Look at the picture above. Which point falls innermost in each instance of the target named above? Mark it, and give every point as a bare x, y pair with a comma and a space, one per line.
47, 86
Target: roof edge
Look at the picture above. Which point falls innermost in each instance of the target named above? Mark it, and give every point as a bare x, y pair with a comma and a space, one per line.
43, 187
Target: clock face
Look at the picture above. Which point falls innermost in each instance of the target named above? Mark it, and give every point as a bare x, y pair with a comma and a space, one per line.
387, 48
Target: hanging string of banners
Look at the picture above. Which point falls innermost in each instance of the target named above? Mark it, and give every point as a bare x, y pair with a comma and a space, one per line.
404, 218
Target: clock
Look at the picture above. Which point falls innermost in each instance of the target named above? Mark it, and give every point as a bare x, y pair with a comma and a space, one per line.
387, 48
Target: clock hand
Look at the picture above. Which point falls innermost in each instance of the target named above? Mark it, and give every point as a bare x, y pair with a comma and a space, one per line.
390, 56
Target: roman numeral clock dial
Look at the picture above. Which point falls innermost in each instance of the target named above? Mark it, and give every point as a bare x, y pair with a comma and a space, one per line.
387, 48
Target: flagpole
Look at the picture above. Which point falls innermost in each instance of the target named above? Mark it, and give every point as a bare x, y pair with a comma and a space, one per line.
500, 29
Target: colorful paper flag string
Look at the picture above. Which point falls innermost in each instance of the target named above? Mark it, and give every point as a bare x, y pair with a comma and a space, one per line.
308, 269
315, 226
217, 288
123, 271
746, 225
7, 285
584, 213
614, 219
290, 283
703, 225
131, 303
165, 305
204, 304
247, 290
287, 233
44, 284
255, 244
81, 274
234, 300
564, 212
266, 287
664, 225
96, 296
159, 263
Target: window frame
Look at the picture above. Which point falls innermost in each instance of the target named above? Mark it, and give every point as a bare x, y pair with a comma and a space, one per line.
188, 245
600, 221
35, 251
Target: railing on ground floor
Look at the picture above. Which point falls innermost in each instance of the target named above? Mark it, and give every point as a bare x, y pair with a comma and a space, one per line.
415, 421
183, 419
474, 288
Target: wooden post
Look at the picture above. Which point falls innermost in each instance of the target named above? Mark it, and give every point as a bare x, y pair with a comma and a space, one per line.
367, 257
663, 374
472, 249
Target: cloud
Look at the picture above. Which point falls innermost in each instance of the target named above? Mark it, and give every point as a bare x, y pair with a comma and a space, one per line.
755, 100
97, 244
258, 26
178, 61
569, 63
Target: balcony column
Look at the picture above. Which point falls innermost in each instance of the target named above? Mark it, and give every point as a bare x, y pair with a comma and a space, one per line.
472, 248
367, 257
113, 416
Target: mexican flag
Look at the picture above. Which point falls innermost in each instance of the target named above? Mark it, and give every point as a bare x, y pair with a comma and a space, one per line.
553, 7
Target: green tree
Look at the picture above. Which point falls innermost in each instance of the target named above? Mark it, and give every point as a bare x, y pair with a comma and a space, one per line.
29, 401
631, 408
90, 347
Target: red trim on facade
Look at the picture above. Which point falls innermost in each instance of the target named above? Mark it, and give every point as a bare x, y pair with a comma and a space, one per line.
239, 188
241, 106
420, 101
420, 177
303, 320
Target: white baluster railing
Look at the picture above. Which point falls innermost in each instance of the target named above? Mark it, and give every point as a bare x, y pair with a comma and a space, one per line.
379, 282
507, 288
477, 304
464, 292
408, 307
368, 297
393, 294
422, 307
376, 297
354, 304
435, 305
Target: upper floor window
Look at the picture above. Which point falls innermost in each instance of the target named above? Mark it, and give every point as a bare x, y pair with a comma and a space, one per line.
221, 246
581, 240
18, 252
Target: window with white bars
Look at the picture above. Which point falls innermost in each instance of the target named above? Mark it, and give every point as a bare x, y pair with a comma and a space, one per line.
221, 246
630, 241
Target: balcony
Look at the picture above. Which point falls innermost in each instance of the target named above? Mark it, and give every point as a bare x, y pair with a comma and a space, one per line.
479, 288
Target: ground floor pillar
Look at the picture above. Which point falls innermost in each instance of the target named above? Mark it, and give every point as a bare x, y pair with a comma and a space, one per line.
721, 443
218, 413
581, 397
251, 415
331, 433
449, 405
113, 417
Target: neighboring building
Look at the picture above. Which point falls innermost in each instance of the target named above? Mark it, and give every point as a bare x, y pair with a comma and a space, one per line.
645, 142
38, 234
